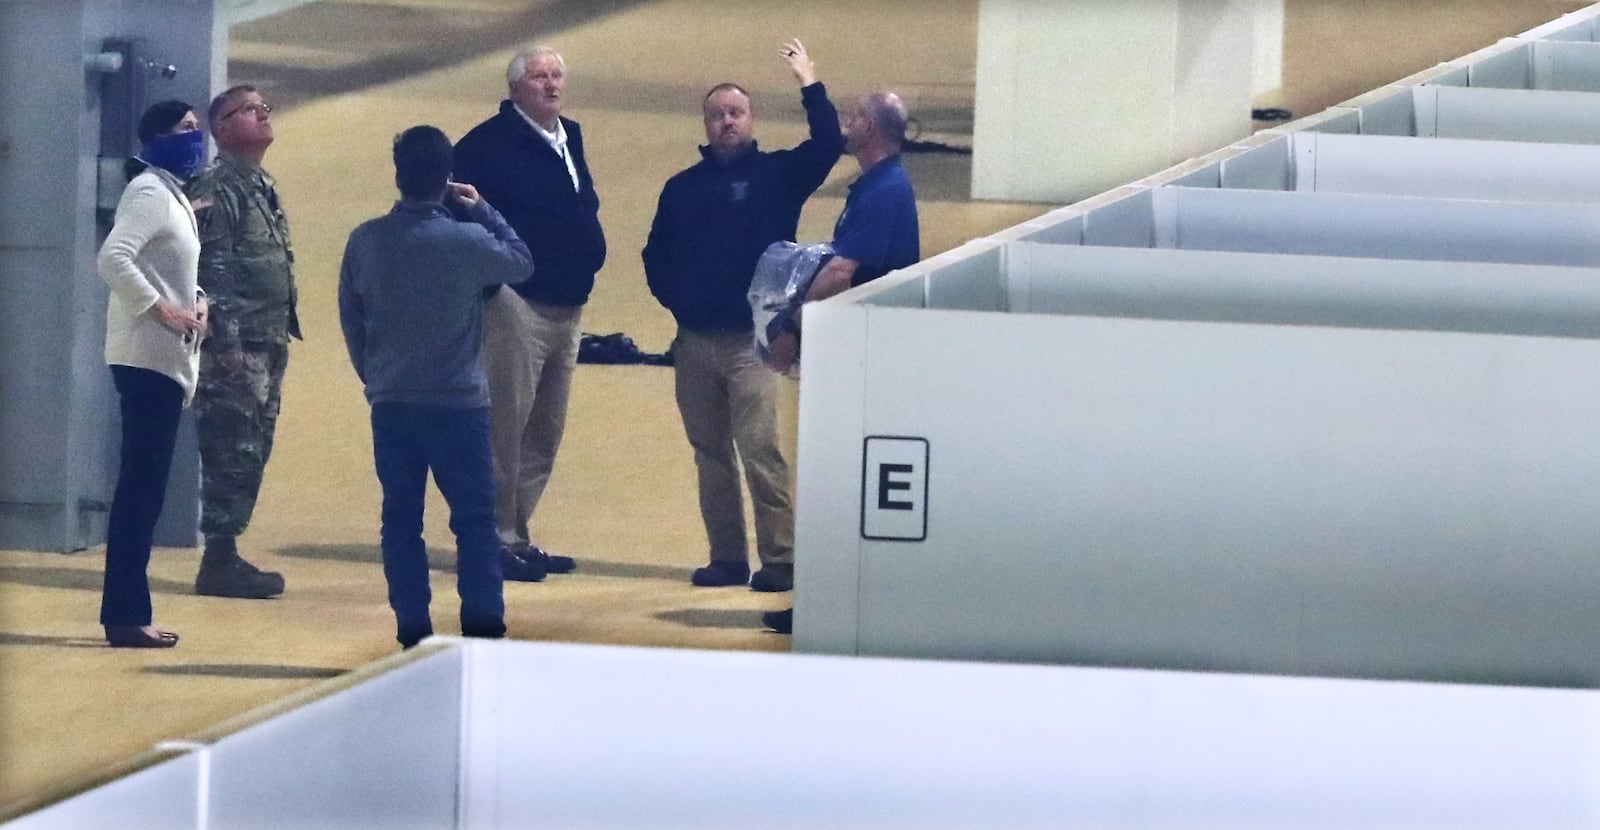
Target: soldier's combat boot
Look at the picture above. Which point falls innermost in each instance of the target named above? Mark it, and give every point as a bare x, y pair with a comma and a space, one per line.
223, 573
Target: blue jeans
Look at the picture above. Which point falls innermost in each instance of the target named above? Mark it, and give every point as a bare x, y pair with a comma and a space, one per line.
150, 403
408, 440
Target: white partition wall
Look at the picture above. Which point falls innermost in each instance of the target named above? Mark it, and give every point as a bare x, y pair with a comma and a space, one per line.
1390, 227
1508, 114
820, 742
1566, 65
1308, 160
1579, 25
1445, 168
1170, 78
1244, 494
1233, 287
1310, 403
160, 790
380, 755
809, 742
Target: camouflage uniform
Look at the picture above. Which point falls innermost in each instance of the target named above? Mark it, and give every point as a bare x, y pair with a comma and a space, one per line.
247, 271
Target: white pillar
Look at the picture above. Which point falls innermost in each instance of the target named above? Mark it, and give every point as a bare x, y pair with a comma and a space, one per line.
1077, 96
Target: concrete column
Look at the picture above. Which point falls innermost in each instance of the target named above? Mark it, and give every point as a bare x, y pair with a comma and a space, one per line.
57, 406
1077, 96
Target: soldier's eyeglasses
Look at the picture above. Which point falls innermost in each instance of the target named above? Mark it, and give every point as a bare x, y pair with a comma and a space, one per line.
254, 108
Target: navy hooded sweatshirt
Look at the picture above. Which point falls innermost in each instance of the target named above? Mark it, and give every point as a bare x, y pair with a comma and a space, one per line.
715, 218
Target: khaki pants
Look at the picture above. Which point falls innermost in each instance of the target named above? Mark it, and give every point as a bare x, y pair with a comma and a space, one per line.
529, 352
728, 400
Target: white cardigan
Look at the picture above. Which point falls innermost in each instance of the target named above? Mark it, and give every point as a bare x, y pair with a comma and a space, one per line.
153, 251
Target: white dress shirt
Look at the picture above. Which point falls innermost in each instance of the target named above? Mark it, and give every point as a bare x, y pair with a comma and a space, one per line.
557, 140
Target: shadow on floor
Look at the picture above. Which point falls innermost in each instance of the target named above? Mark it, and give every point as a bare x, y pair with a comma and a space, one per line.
403, 41
12, 638
631, 570
438, 558
247, 671
78, 579
712, 618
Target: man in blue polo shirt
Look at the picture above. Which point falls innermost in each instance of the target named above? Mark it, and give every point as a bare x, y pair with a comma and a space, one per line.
877, 232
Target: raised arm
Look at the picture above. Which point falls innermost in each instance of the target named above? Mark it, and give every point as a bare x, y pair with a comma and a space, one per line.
816, 155
504, 257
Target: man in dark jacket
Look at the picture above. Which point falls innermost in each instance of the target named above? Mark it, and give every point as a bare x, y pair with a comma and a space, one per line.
712, 223
528, 162
410, 304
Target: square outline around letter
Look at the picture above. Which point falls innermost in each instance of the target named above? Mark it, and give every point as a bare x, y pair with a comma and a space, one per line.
866, 450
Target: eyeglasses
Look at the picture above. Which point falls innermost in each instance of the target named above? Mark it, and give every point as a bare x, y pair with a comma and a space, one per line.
254, 107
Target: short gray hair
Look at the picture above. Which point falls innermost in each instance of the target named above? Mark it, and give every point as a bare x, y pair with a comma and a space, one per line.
526, 55
888, 112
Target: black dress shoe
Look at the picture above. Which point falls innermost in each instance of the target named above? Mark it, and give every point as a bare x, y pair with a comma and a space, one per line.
134, 636
779, 621
721, 575
553, 563
772, 579
516, 568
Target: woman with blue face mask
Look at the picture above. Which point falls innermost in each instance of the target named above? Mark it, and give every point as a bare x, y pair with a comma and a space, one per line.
154, 321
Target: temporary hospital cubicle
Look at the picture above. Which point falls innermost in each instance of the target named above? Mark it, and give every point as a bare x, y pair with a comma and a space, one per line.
1521, 63
1210, 460
1309, 160
1390, 227
1580, 25
446, 738
1449, 111
1440, 167
1312, 403
1325, 224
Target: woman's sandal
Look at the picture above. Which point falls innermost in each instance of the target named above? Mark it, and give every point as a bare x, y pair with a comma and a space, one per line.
135, 636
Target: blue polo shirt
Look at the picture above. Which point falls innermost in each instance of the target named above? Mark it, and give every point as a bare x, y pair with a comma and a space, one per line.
878, 227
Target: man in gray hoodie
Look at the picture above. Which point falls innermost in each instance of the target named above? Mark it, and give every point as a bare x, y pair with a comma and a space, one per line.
411, 306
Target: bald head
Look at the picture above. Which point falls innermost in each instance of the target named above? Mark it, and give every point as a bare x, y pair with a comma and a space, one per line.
875, 128
888, 112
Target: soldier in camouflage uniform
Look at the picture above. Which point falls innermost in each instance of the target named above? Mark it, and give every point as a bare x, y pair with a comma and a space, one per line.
246, 269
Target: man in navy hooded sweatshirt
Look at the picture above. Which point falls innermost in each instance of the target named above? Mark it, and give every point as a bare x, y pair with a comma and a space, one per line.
712, 223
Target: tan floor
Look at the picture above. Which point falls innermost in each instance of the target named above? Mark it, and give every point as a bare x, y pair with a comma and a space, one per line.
622, 499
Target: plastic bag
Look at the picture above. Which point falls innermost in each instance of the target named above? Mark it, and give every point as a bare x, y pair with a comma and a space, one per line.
783, 276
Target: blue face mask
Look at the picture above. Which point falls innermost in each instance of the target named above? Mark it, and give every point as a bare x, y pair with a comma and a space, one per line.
180, 154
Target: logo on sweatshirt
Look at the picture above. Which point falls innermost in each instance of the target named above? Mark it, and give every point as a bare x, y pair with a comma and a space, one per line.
741, 190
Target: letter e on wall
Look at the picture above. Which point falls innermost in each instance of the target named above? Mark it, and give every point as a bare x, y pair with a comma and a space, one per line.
894, 488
